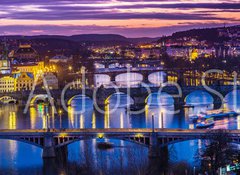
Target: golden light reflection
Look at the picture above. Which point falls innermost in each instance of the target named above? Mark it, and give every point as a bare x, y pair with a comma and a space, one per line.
106, 116
162, 113
71, 116
121, 120
238, 122
81, 121
53, 116
44, 122
33, 117
160, 119
146, 112
12, 120
93, 120
13, 149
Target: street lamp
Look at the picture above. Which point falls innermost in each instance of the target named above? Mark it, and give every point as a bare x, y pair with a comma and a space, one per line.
162, 119
48, 128
60, 115
47, 114
152, 122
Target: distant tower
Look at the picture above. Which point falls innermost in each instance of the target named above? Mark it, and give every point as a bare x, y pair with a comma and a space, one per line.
5, 66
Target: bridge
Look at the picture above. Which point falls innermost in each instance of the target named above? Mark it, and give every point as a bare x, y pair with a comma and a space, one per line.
155, 139
139, 94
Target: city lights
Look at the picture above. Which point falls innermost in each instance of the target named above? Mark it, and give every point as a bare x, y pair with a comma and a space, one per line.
120, 87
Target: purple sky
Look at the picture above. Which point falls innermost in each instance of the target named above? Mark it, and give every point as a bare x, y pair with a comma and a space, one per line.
131, 18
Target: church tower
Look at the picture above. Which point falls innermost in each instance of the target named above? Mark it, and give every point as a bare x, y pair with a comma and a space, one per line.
5, 66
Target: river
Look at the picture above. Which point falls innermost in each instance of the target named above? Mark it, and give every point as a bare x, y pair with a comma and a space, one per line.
83, 156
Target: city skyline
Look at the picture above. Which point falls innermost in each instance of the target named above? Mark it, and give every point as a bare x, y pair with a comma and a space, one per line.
128, 18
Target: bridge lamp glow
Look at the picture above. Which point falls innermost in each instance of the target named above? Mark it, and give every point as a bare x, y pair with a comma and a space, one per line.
59, 111
63, 134
139, 135
100, 136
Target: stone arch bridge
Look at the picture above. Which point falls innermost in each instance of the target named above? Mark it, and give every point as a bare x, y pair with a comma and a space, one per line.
138, 94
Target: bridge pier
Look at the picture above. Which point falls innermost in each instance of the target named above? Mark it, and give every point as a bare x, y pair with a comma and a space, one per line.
179, 103
48, 149
62, 154
157, 151
50, 166
153, 151
139, 102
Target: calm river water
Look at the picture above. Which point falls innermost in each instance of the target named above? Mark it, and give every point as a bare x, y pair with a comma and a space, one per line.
83, 156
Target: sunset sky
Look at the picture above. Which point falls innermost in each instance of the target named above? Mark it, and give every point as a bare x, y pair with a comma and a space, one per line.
131, 18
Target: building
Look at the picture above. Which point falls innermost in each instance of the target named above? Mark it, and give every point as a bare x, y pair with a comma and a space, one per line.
60, 58
51, 80
34, 68
24, 81
7, 83
5, 66
178, 52
193, 54
25, 54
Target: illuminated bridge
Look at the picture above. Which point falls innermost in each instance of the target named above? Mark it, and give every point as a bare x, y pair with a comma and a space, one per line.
139, 94
55, 139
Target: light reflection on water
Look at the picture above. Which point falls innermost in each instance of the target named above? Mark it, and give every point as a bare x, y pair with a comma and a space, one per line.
16, 157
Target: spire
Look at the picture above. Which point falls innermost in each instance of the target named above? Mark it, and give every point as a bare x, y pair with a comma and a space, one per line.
5, 50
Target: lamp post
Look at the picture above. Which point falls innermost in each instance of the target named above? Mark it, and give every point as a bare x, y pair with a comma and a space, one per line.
60, 115
152, 122
48, 128
70, 68
162, 120
47, 115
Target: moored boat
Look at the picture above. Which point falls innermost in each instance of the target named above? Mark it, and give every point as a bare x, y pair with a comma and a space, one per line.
205, 123
215, 114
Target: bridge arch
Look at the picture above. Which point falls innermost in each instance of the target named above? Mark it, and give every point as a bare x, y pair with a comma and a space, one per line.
156, 99
39, 98
172, 141
37, 141
113, 65
232, 99
102, 79
7, 99
199, 97
118, 96
99, 65
69, 101
137, 139
133, 78
157, 77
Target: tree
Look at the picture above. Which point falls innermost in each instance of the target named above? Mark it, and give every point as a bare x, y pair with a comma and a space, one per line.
217, 151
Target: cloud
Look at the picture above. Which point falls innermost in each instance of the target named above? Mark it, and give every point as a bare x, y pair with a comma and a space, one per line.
129, 11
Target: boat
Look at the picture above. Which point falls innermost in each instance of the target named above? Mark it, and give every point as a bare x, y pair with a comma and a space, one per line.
193, 118
216, 114
219, 114
104, 145
205, 123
